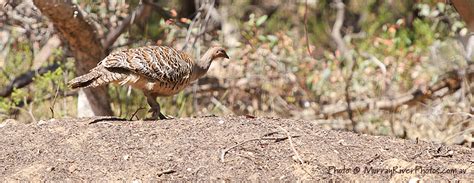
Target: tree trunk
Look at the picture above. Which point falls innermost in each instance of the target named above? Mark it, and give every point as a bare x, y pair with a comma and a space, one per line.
85, 46
465, 9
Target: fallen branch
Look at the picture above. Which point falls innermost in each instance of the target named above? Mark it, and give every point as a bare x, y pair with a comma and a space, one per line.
450, 84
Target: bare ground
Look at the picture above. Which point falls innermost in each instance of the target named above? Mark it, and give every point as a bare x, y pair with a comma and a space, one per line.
192, 149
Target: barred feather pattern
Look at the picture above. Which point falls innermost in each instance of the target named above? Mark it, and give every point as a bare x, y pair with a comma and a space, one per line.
157, 69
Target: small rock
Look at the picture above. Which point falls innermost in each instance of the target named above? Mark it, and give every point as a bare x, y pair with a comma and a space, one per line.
72, 168
221, 122
450, 153
341, 142
415, 180
126, 157
41, 122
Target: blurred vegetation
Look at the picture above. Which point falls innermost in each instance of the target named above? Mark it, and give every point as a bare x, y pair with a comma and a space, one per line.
273, 70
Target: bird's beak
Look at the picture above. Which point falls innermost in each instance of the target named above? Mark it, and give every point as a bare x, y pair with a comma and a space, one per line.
226, 56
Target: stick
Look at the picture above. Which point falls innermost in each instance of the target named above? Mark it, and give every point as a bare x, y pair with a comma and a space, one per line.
133, 115
264, 137
51, 108
292, 146
168, 171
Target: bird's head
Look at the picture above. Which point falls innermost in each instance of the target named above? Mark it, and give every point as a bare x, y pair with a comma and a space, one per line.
218, 52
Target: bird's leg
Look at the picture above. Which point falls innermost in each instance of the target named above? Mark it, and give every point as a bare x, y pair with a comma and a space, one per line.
155, 106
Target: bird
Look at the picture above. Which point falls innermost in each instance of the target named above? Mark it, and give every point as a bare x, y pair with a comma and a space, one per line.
158, 71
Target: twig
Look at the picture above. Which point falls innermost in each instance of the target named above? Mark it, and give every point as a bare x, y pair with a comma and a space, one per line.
197, 19
449, 154
106, 118
51, 108
348, 96
306, 26
133, 115
341, 46
264, 137
190, 28
27, 111
30, 110
167, 171
292, 145
377, 156
220, 106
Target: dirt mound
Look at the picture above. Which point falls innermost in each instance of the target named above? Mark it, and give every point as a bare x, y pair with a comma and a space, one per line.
218, 148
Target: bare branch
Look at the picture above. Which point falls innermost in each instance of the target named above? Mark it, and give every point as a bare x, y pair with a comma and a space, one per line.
336, 29
450, 84
25, 79
207, 7
115, 33
341, 46
46, 51
306, 26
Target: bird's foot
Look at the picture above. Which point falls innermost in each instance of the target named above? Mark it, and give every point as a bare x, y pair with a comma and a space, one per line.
157, 115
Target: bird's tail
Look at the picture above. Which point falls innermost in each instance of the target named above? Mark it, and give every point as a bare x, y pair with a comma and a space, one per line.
86, 80
97, 77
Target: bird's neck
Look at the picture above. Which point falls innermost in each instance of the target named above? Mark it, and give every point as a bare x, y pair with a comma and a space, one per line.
201, 66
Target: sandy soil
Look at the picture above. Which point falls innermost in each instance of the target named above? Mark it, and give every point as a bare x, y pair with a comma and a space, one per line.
218, 148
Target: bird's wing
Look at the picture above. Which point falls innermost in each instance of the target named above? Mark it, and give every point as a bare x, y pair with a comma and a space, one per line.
157, 63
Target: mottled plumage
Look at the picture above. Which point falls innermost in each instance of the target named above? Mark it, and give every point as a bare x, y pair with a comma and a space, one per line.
157, 70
